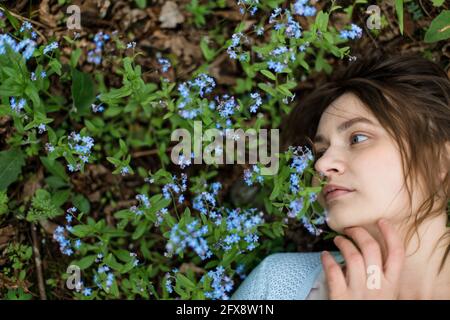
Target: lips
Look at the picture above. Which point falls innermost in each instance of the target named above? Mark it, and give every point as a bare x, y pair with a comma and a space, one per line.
332, 191
336, 193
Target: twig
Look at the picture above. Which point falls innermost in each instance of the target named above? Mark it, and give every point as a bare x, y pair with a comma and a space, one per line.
423, 8
15, 15
38, 262
368, 32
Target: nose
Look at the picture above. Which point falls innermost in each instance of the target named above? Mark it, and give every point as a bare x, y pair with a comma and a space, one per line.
330, 163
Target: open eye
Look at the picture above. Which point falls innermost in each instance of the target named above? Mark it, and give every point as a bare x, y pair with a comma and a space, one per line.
320, 152
355, 135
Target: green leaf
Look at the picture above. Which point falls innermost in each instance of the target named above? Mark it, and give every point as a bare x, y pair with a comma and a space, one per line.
142, 4
81, 203
83, 93
185, 281
74, 57
55, 66
81, 230
322, 20
208, 53
42, 207
15, 23
270, 90
437, 3
85, 262
399, 10
439, 28
114, 161
60, 197
142, 227
123, 255
283, 90
269, 74
112, 262
55, 168
3, 202
11, 163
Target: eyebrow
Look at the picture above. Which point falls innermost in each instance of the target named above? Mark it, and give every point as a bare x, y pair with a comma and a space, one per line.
344, 126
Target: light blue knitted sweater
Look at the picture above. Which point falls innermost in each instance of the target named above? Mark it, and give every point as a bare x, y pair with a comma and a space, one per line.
283, 276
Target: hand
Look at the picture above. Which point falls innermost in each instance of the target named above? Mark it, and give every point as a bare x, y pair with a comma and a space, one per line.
366, 276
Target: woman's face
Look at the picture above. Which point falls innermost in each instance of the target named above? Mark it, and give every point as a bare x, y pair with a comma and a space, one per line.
361, 156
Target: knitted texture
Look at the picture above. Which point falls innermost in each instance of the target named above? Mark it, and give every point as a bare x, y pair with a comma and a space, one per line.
283, 276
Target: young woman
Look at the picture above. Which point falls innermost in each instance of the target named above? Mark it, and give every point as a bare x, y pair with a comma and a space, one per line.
381, 135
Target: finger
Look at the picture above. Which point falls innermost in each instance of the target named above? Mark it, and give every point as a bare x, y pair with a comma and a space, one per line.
395, 250
334, 276
356, 274
369, 247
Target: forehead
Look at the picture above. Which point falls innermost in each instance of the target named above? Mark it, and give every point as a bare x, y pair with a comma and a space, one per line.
341, 114
346, 107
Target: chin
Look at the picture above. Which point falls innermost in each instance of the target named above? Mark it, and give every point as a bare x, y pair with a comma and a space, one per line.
335, 226
338, 220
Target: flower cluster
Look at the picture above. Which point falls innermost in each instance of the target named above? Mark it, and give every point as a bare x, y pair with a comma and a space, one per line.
65, 245
168, 282
310, 227
144, 203
165, 64
42, 128
221, 284
259, 30
82, 146
17, 106
177, 187
295, 207
95, 56
235, 47
104, 278
226, 106
250, 176
242, 223
200, 86
286, 23
97, 108
50, 47
294, 183
301, 158
252, 6
185, 161
42, 75
192, 238
26, 26
240, 271
276, 66
160, 216
26, 46
124, 171
257, 102
302, 8
205, 202
204, 84
279, 58
131, 45
354, 32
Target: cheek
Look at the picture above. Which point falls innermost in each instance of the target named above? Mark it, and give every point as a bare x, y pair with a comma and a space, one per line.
386, 191
378, 178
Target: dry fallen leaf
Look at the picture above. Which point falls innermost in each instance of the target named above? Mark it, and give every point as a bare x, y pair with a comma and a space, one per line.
170, 15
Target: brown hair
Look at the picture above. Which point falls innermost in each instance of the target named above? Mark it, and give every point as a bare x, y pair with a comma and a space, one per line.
410, 97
